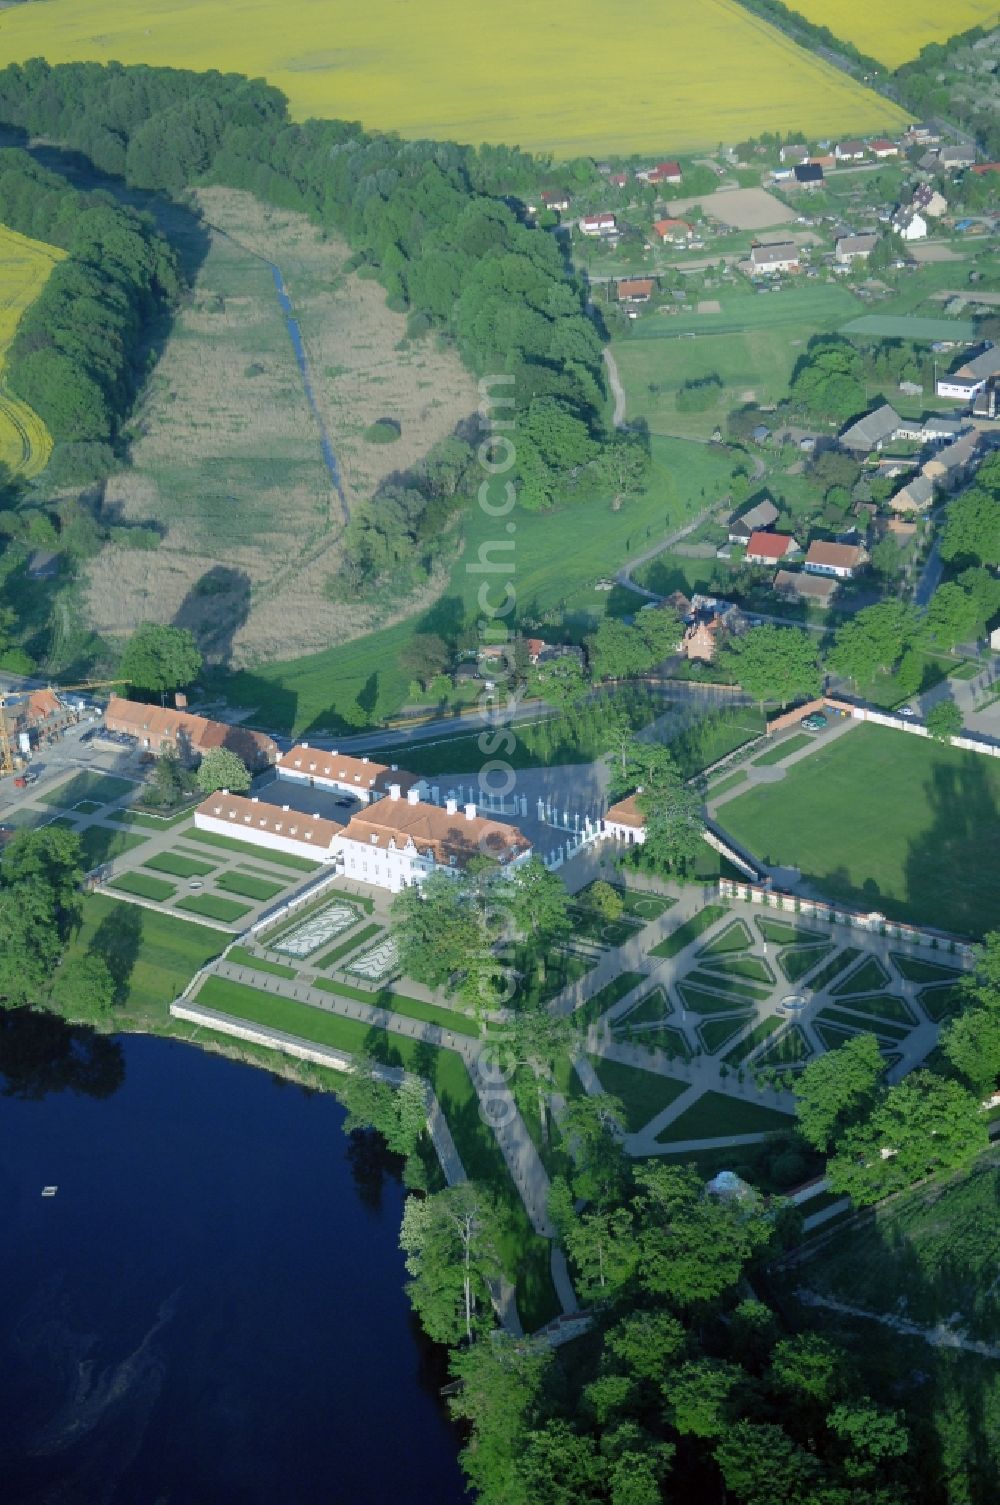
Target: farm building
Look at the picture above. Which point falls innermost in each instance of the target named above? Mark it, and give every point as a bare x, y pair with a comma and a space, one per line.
852, 248
762, 516
795, 585
872, 431
950, 465
159, 728
776, 256
971, 376
360, 777
840, 560
625, 822
769, 548
399, 842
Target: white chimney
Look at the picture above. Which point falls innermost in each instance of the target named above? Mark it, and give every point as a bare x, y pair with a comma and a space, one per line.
225, 791
451, 807
395, 790
470, 812
286, 807
413, 797
366, 760
303, 744
255, 799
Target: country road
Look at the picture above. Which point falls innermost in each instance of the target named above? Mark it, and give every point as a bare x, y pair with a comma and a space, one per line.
616, 386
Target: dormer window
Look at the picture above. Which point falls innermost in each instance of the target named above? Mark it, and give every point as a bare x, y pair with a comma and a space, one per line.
374, 841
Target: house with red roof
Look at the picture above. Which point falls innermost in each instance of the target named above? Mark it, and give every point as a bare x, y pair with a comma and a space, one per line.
770, 548
673, 229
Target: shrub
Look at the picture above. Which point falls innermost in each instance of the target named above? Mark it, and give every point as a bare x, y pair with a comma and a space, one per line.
383, 431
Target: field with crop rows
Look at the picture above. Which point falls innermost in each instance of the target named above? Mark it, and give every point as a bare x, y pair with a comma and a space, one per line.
24, 268
563, 78
896, 30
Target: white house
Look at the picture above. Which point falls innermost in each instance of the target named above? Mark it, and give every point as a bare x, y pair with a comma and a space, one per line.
598, 224
340, 774
399, 842
841, 561
851, 248
276, 829
625, 822
909, 224
971, 377
776, 256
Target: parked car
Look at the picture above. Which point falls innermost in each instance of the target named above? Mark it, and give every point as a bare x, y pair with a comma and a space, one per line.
815, 722
907, 710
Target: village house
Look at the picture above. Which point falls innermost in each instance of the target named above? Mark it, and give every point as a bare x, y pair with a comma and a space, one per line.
625, 822
949, 466
793, 153
663, 172
634, 289
808, 174
760, 517
872, 431
915, 496
909, 224
935, 428
881, 148
673, 230
795, 585
160, 728
399, 842
554, 199
841, 560
770, 548
928, 201
599, 224
852, 248
341, 774
849, 151
971, 376
618, 180
987, 401
984, 167
953, 158
774, 256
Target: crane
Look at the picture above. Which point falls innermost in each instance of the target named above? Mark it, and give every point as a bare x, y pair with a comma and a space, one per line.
6, 732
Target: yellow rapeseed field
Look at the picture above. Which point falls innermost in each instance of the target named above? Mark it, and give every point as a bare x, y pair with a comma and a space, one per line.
895, 30
657, 75
25, 265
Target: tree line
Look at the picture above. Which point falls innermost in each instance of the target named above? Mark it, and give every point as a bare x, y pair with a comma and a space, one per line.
77, 353
427, 218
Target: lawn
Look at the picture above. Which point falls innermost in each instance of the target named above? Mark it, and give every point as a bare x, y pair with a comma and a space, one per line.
366, 933
426, 72
701, 1002
886, 821
649, 1010
911, 327
868, 978
735, 937
476, 1144
230, 844
152, 954
97, 789
784, 933
100, 844
689, 931
716, 1115
760, 1032
181, 867
852, 1023
714, 1033
144, 886
915, 969
589, 1012
411, 1008
244, 958
882, 1006
796, 961
644, 1093
750, 967
248, 886
783, 750
212, 907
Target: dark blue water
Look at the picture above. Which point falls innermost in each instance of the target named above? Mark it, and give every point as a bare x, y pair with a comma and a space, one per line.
210, 1311
295, 334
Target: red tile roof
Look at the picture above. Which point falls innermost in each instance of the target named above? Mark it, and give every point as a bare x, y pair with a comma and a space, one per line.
838, 556
435, 831
769, 545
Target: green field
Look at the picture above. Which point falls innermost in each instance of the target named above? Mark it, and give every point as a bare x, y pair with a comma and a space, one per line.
559, 558
152, 955
715, 1115
181, 867
911, 327
212, 907
144, 885
644, 1093
96, 788
886, 821
249, 887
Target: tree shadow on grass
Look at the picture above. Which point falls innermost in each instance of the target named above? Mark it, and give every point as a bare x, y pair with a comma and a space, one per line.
117, 940
214, 610
953, 866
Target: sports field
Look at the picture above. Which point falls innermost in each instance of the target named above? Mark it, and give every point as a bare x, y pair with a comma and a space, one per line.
25, 265
885, 821
565, 78
895, 30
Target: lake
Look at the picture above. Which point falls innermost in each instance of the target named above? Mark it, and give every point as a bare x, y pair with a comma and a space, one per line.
210, 1311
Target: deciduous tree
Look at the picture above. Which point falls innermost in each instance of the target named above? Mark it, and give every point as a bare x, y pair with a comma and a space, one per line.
838, 1088
221, 768
160, 659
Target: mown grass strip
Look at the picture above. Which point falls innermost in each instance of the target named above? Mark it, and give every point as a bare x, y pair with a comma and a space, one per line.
213, 907
691, 929
181, 867
249, 888
244, 958
350, 944
144, 886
